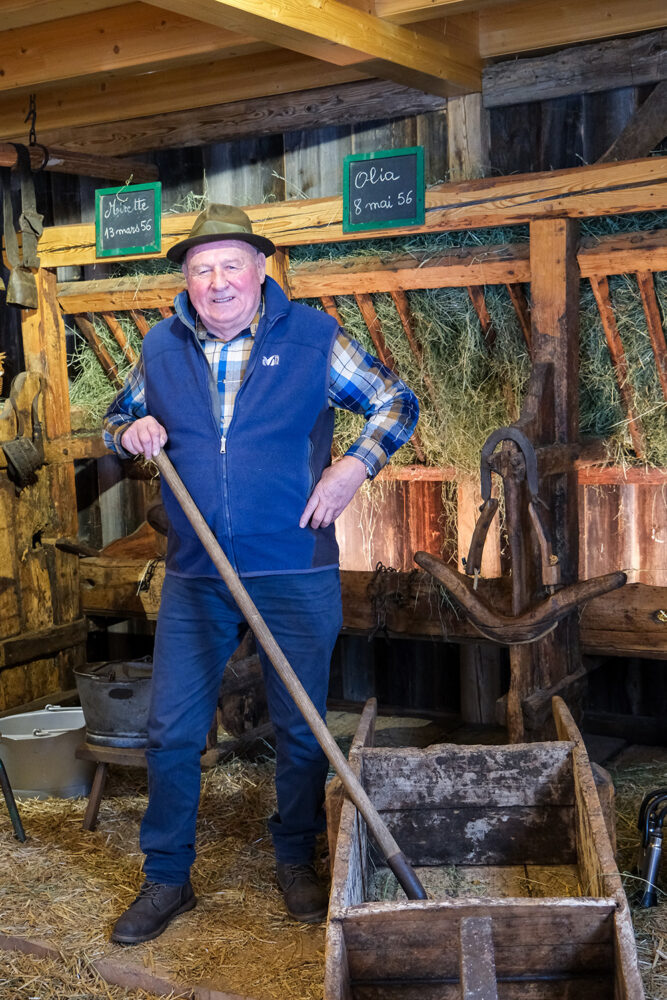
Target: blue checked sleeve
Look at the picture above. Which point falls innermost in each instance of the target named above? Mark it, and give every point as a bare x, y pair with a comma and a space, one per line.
128, 405
362, 384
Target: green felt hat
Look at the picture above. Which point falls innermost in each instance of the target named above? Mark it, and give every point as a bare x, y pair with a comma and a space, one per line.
220, 222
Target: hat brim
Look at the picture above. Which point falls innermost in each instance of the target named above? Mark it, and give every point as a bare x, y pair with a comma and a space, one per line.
177, 253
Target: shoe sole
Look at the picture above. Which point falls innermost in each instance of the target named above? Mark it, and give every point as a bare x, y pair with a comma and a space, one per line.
128, 939
318, 917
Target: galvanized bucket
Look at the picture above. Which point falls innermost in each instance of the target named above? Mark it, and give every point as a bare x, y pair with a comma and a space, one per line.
115, 697
38, 750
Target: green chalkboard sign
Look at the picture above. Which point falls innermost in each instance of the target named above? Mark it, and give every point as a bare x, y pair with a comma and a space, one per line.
383, 189
128, 220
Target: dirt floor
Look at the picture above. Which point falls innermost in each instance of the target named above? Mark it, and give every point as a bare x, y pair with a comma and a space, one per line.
62, 889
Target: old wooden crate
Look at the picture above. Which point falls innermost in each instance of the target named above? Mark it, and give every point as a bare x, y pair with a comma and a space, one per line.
525, 899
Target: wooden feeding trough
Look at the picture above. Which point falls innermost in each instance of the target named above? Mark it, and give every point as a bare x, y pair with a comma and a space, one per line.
525, 899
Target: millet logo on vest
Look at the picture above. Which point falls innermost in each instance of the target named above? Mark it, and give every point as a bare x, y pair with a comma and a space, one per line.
271, 362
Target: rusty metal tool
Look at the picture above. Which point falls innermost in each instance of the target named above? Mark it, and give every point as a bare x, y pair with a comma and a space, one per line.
395, 857
549, 561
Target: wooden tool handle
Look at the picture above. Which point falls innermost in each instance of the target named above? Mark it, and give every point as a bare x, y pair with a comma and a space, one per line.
392, 852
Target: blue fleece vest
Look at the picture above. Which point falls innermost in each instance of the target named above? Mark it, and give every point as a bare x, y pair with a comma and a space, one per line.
277, 445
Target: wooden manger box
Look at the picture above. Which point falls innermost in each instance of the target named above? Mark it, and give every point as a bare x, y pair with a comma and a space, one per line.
525, 899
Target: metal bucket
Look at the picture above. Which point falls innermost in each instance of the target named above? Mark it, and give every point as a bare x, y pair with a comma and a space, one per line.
38, 751
115, 697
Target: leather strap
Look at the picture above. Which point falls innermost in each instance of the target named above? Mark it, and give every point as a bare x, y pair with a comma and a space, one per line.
22, 287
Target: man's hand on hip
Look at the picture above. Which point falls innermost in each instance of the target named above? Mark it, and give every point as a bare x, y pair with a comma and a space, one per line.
144, 437
333, 493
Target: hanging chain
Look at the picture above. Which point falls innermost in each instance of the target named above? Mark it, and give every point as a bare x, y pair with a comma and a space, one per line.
32, 118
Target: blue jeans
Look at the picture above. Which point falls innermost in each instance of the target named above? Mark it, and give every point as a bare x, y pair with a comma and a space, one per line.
198, 629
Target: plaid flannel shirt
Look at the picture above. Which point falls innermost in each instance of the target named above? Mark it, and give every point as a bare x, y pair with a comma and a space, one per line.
358, 382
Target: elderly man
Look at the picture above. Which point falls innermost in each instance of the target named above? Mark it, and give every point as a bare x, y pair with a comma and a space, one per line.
239, 387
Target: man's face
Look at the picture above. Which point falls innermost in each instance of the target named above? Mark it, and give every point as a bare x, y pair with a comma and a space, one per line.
225, 285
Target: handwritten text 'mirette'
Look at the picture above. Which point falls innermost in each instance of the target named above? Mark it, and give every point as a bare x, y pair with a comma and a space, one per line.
128, 206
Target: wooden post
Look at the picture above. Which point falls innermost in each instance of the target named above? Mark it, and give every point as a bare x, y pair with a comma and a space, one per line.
468, 143
468, 138
479, 667
277, 266
551, 419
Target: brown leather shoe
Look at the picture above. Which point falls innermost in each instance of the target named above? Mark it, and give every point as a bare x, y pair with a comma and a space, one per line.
306, 899
152, 911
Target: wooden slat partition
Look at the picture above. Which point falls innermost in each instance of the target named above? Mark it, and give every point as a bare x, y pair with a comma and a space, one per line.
139, 321
640, 252
580, 192
476, 293
103, 356
150, 291
600, 286
654, 324
372, 321
402, 305
119, 336
522, 310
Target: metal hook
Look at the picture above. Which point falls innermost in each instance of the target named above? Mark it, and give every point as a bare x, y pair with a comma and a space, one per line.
32, 118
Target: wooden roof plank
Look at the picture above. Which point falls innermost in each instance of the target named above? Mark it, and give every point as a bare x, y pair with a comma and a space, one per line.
183, 88
337, 33
132, 37
583, 69
346, 104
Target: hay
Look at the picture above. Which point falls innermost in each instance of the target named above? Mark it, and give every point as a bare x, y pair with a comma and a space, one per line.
601, 411
67, 886
26, 977
480, 881
632, 781
90, 388
477, 389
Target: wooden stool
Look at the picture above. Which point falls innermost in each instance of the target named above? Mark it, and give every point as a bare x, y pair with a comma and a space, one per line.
103, 756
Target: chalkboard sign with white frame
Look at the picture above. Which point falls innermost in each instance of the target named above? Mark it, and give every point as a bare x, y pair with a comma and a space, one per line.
128, 220
383, 189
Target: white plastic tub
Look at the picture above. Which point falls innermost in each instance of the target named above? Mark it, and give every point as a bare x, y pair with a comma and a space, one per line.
38, 751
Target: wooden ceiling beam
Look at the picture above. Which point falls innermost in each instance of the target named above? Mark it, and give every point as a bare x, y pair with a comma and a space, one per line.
526, 27
351, 103
65, 161
411, 11
130, 38
507, 28
19, 13
334, 32
184, 88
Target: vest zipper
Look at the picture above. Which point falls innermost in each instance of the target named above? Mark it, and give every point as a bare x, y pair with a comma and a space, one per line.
223, 462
